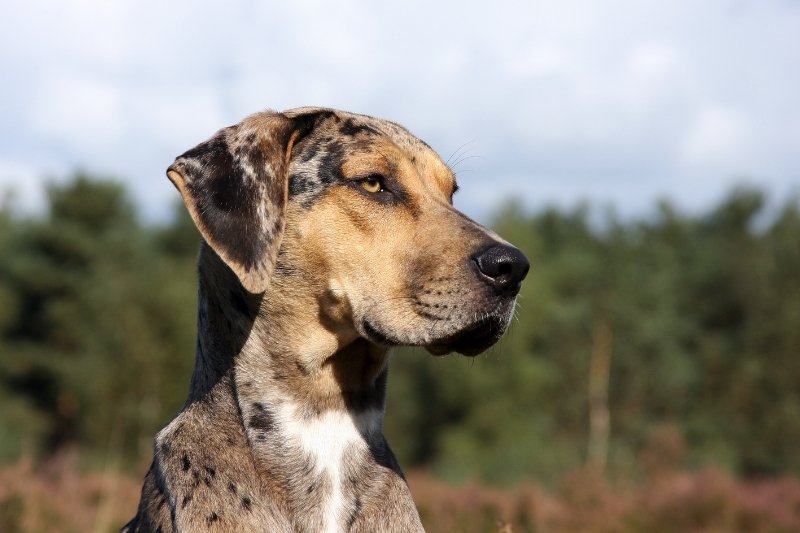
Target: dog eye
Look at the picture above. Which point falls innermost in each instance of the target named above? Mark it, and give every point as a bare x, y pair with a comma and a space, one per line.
372, 184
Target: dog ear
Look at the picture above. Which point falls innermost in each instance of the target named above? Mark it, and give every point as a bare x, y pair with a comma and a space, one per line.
235, 188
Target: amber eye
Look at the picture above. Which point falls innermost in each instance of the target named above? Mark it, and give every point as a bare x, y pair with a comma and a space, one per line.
372, 184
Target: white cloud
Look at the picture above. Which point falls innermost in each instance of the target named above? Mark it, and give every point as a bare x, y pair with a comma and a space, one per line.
539, 59
79, 110
716, 136
622, 100
652, 61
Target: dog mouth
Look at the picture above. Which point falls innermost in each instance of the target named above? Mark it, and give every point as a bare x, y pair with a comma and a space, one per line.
375, 335
469, 341
472, 340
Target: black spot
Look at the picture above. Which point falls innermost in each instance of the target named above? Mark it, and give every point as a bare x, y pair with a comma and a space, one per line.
355, 513
282, 269
307, 186
427, 315
165, 448
186, 463
246, 503
311, 151
311, 488
301, 184
186, 500
159, 529
212, 518
350, 128
232, 487
277, 227
330, 165
261, 418
305, 124
282, 266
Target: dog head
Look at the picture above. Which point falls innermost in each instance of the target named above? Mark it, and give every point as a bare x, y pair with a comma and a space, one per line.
356, 214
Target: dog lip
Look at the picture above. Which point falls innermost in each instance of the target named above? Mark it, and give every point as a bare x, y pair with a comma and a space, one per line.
473, 339
376, 336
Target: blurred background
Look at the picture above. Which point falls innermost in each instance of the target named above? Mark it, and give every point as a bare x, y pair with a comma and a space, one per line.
645, 156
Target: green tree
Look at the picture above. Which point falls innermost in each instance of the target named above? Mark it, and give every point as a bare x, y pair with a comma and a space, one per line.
96, 299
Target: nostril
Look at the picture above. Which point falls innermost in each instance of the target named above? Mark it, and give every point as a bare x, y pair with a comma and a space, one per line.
503, 267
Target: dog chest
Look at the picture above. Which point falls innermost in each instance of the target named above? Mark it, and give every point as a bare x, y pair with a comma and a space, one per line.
333, 444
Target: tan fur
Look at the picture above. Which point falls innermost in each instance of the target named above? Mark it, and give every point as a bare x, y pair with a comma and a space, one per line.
282, 430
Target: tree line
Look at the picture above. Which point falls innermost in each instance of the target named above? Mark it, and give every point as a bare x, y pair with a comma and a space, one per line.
671, 339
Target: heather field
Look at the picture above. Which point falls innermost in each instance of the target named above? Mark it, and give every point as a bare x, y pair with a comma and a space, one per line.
649, 382
57, 497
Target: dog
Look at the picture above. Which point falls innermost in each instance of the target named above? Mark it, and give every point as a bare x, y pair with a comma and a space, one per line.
327, 238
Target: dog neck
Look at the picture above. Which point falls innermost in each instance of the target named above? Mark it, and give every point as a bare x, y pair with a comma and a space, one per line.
281, 347
309, 391
302, 405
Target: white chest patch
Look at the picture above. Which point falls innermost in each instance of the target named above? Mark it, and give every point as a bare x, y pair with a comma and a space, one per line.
324, 439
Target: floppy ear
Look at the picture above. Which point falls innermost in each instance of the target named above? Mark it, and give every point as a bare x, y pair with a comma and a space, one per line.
235, 187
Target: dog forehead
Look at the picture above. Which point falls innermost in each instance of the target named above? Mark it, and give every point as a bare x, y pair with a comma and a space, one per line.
345, 135
346, 125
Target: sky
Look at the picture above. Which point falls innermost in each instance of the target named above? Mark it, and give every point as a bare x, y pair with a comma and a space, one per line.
620, 102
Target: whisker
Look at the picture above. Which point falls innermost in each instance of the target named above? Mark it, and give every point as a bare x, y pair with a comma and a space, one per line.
464, 158
457, 150
457, 155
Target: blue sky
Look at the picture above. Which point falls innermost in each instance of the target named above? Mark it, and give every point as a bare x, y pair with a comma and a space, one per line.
617, 102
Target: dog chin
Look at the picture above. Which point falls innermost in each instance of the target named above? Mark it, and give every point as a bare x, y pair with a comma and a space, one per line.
469, 340
472, 340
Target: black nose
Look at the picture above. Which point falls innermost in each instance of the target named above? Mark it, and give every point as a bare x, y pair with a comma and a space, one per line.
503, 267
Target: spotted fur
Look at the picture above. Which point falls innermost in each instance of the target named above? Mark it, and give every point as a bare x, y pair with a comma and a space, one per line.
306, 278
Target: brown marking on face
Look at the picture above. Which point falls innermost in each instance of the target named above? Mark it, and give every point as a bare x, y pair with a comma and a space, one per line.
370, 162
439, 176
392, 266
355, 270
400, 259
